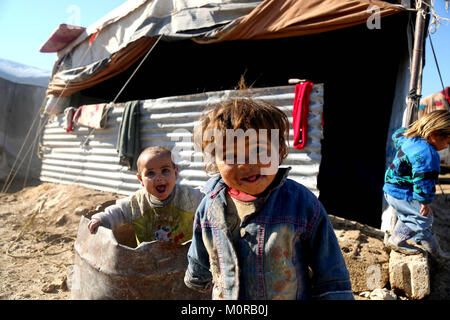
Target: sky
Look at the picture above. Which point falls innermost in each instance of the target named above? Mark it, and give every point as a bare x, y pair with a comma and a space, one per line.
441, 43
26, 24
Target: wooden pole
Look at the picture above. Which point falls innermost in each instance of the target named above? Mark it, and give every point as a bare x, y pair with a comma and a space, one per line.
413, 97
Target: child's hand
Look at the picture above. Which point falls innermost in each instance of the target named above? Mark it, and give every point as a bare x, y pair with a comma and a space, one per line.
425, 210
93, 225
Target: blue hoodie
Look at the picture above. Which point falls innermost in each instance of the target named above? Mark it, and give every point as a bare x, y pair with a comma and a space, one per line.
414, 171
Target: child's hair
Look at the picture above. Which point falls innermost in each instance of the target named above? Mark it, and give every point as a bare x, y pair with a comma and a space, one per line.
155, 150
245, 114
438, 120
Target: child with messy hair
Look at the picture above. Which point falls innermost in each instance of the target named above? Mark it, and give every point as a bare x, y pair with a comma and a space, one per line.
162, 210
257, 234
410, 182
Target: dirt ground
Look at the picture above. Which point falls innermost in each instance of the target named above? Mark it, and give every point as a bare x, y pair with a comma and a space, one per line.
38, 228
39, 225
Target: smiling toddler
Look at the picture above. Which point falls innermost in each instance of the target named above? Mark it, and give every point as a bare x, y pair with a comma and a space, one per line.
258, 234
162, 209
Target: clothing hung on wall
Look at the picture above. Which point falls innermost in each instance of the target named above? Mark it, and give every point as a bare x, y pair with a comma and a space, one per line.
128, 138
300, 113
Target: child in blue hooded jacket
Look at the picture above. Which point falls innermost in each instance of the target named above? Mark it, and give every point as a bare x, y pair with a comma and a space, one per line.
411, 178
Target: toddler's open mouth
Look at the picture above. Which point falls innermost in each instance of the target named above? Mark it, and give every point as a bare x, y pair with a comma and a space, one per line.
252, 178
161, 188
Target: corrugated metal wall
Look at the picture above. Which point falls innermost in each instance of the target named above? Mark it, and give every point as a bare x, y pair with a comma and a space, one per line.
168, 122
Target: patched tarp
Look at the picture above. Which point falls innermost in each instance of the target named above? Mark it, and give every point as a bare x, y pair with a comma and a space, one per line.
91, 62
67, 82
135, 19
61, 37
291, 18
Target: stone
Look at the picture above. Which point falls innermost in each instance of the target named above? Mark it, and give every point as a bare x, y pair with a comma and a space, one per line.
61, 220
410, 275
382, 294
56, 285
63, 284
50, 288
364, 294
81, 211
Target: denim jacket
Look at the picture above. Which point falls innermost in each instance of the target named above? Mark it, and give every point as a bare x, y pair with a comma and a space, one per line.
287, 250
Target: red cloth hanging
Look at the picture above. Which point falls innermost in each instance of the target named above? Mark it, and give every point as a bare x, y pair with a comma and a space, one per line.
93, 36
300, 113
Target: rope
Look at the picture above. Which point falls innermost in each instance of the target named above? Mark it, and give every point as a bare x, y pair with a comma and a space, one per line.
436, 21
443, 89
8, 182
85, 143
437, 64
41, 252
29, 162
19, 154
27, 225
134, 72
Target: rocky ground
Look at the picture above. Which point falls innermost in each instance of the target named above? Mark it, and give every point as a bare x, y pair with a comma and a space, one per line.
38, 228
39, 225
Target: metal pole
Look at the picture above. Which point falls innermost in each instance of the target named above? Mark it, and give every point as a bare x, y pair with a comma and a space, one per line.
412, 100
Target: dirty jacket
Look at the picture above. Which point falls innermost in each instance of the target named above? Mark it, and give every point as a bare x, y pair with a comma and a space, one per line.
287, 250
414, 170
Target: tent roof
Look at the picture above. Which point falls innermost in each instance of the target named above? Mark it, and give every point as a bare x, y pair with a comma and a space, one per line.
150, 18
204, 21
23, 74
217, 20
61, 37
290, 18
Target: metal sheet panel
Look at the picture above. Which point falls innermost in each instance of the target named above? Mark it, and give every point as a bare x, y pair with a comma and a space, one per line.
168, 122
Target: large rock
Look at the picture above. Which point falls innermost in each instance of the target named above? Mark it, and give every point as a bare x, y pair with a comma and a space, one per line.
363, 250
410, 275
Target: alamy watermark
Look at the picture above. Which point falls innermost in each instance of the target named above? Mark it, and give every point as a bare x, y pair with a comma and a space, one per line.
373, 279
374, 21
74, 12
234, 147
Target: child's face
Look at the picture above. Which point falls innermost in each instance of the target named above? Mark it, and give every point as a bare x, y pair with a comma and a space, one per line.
157, 174
249, 177
439, 142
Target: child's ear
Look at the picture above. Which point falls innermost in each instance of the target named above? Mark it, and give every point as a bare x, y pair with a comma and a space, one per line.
432, 137
138, 175
176, 172
436, 134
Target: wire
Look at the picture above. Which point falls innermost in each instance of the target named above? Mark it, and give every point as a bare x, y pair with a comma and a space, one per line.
437, 64
137, 68
123, 87
41, 125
